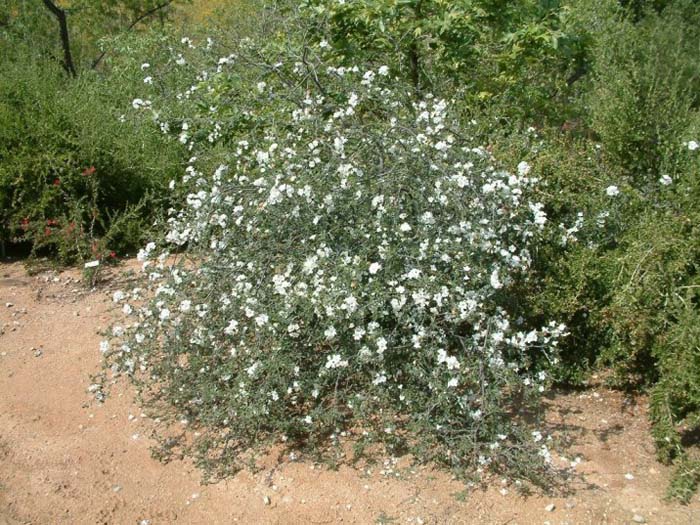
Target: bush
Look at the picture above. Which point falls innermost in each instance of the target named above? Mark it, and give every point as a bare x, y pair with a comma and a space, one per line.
519, 56
352, 274
77, 180
627, 287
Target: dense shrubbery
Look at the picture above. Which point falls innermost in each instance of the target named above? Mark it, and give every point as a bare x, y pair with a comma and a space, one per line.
75, 181
631, 289
598, 101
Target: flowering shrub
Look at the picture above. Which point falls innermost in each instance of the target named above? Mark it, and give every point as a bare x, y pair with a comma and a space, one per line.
350, 273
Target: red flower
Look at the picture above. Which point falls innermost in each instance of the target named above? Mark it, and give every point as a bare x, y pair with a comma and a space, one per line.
47, 231
56, 182
89, 171
113, 255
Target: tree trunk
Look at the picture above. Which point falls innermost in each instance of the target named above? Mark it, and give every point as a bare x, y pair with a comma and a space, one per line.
60, 15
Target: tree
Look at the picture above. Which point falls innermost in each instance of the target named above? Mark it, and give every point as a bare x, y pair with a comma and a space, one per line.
60, 15
107, 16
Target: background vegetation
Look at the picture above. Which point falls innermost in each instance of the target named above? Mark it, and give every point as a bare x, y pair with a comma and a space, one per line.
593, 95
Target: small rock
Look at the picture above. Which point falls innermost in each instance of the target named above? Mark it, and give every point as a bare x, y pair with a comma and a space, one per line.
9, 305
550, 507
38, 353
266, 500
629, 476
116, 488
637, 518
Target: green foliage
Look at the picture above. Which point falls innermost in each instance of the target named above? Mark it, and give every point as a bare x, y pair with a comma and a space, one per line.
517, 55
627, 287
646, 84
30, 29
76, 182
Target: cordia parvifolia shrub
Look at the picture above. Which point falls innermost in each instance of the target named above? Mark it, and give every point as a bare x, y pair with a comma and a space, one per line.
348, 274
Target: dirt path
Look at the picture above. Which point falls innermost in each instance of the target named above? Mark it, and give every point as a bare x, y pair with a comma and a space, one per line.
66, 459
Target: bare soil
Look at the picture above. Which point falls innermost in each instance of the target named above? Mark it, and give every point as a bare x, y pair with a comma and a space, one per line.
65, 458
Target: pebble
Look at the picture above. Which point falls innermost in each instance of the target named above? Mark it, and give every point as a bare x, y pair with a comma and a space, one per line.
637, 518
629, 476
266, 500
9, 305
550, 507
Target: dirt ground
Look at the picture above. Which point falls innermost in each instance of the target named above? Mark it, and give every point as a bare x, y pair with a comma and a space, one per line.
64, 458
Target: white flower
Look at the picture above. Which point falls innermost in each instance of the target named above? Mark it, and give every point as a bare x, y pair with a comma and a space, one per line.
145, 66
693, 145
261, 86
379, 379
118, 296
336, 361
310, 264
413, 274
232, 327
523, 168
453, 382
405, 227
164, 314
293, 330
261, 320
349, 304
148, 80
383, 71
427, 218
374, 268
359, 333
665, 180
450, 361
612, 191
104, 346
253, 368
330, 332
185, 305
381, 345
495, 280
540, 217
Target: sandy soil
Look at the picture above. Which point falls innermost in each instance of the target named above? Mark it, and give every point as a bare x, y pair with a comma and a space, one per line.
64, 458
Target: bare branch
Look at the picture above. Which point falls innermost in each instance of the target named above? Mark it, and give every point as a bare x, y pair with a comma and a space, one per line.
133, 24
